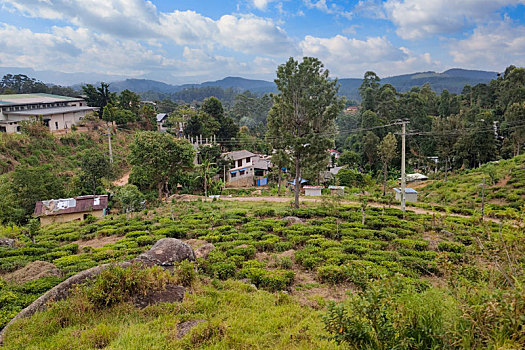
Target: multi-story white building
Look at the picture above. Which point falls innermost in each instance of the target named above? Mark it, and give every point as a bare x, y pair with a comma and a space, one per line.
57, 112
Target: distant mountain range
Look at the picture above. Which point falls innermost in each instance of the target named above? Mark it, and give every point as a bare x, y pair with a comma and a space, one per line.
453, 80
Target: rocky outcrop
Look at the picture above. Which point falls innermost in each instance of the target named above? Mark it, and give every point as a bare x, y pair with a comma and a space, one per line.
33, 271
171, 294
7, 242
166, 252
204, 250
185, 327
290, 220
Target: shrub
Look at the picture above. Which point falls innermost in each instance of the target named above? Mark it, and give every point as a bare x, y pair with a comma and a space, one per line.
117, 284
411, 243
451, 247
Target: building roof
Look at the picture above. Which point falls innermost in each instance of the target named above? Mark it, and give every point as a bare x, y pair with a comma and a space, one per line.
336, 187
50, 111
407, 190
71, 205
416, 177
261, 164
313, 187
236, 155
161, 117
24, 99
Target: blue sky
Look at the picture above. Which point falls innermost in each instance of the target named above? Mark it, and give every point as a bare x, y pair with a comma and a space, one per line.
194, 41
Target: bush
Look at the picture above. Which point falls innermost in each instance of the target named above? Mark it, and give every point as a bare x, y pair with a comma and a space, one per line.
451, 247
117, 284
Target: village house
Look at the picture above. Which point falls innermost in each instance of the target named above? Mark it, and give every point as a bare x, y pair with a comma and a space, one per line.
248, 169
57, 112
71, 209
161, 119
312, 190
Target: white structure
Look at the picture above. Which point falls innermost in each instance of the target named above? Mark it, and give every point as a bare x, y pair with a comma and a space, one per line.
161, 119
337, 190
410, 194
57, 112
415, 177
247, 167
312, 190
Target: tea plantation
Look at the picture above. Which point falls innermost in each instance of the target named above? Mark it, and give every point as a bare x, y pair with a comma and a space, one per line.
417, 282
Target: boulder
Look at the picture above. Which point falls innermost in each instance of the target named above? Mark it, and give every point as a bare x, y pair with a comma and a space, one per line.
290, 220
171, 294
33, 271
204, 250
167, 252
7, 242
184, 328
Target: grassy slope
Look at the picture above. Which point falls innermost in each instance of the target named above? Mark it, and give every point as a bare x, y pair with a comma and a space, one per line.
60, 151
503, 198
333, 252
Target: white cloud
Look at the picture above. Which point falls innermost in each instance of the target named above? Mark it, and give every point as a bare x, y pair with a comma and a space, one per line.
261, 4
416, 19
139, 19
349, 57
492, 46
322, 6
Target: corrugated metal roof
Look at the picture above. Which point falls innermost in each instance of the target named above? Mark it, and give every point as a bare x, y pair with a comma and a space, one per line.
161, 116
71, 205
22, 99
407, 190
50, 111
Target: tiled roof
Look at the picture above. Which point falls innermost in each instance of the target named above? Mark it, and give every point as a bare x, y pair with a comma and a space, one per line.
71, 205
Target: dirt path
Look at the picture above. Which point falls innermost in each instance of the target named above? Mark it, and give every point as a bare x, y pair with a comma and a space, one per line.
370, 204
123, 180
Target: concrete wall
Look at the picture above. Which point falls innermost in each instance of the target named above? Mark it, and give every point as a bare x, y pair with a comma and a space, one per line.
409, 197
52, 219
243, 181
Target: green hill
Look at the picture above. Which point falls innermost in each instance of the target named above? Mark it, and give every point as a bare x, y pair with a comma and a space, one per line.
267, 284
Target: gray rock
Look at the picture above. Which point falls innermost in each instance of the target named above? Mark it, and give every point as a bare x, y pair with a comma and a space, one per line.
185, 327
204, 250
171, 294
293, 220
7, 242
166, 252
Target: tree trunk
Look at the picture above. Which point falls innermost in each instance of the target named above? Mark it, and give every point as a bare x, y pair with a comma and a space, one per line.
446, 168
297, 182
385, 170
205, 185
279, 182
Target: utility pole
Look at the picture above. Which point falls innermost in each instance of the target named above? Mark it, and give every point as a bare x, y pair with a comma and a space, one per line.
483, 198
403, 175
109, 146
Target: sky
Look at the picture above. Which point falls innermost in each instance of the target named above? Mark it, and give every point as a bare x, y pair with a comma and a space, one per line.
191, 41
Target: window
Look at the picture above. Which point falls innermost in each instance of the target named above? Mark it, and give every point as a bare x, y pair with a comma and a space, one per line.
247, 160
56, 125
239, 162
3, 129
232, 175
242, 172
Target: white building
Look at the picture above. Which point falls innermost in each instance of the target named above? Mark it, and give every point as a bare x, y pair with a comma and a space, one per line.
57, 112
312, 190
410, 194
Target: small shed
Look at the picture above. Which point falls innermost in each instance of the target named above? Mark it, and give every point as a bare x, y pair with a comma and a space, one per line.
337, 190
312, 190
410, 194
